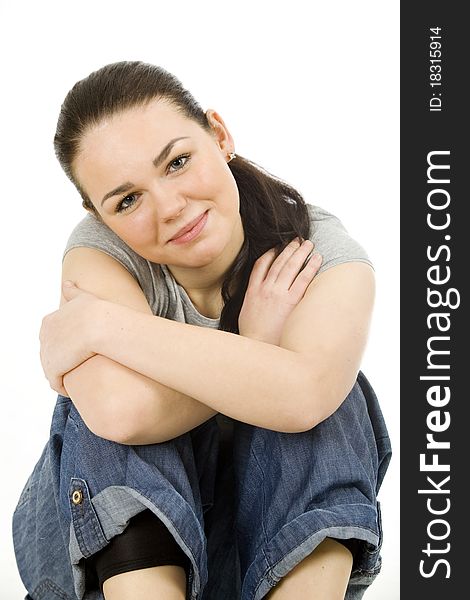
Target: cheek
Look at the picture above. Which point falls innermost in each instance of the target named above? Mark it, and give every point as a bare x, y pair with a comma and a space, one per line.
214, 181
137, 229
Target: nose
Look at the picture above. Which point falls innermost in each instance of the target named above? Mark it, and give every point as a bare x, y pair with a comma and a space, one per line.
168, 206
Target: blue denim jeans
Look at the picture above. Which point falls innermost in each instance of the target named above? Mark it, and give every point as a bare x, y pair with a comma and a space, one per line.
244, 519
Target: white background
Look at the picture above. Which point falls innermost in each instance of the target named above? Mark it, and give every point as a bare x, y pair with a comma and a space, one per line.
309, 90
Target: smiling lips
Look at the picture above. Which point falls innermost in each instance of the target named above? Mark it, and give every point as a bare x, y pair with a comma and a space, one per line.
191, 231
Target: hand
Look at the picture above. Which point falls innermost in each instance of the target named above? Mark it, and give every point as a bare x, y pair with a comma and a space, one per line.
65, 334
275, 288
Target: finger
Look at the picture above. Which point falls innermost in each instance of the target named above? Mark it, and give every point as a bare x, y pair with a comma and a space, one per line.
293, 265
282, 259
261, 268
309, 256
305, 277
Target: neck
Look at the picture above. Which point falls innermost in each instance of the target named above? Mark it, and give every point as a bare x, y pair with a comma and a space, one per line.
204, 284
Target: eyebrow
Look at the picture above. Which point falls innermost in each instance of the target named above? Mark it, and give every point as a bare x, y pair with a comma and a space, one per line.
125, 187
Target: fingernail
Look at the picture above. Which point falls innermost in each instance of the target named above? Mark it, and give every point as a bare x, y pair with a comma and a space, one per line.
69, 283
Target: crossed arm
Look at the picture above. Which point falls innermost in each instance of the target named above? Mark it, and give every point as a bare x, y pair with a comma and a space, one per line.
145, 379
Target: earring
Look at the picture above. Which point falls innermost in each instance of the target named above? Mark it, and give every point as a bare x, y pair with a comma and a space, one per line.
231, 156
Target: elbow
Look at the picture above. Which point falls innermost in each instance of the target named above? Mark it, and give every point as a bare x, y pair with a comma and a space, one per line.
115, 417
115, 429
323, 395
313, 416
109, 420
126, 422
115, 403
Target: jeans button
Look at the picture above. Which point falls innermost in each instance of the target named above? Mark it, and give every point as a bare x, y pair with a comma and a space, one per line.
77, 497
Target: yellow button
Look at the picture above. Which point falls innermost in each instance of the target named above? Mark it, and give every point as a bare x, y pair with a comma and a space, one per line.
77, 497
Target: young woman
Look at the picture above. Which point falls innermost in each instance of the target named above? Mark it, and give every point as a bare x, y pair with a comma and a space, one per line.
213, 436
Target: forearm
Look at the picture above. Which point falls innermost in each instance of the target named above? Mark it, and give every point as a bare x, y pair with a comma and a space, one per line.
250, 381
121, 405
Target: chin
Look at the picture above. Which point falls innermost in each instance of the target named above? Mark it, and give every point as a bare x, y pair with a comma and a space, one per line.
206, 253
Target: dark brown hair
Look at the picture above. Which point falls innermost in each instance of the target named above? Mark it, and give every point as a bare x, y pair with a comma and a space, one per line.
272, 212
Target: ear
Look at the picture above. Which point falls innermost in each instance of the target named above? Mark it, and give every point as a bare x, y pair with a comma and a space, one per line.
220, 132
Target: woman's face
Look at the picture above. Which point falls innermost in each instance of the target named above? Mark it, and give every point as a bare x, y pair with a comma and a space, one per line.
150, 171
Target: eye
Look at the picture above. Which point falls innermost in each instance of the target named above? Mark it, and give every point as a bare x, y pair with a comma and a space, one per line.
126, 203
178, 163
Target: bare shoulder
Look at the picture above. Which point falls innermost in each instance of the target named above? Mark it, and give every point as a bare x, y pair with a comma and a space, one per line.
348, 281
104, 276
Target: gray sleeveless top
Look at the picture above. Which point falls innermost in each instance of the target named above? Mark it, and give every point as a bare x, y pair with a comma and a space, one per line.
167, 298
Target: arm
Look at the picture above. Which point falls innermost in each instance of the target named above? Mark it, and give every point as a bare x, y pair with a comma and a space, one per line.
288, 388
277, 284
102, 389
